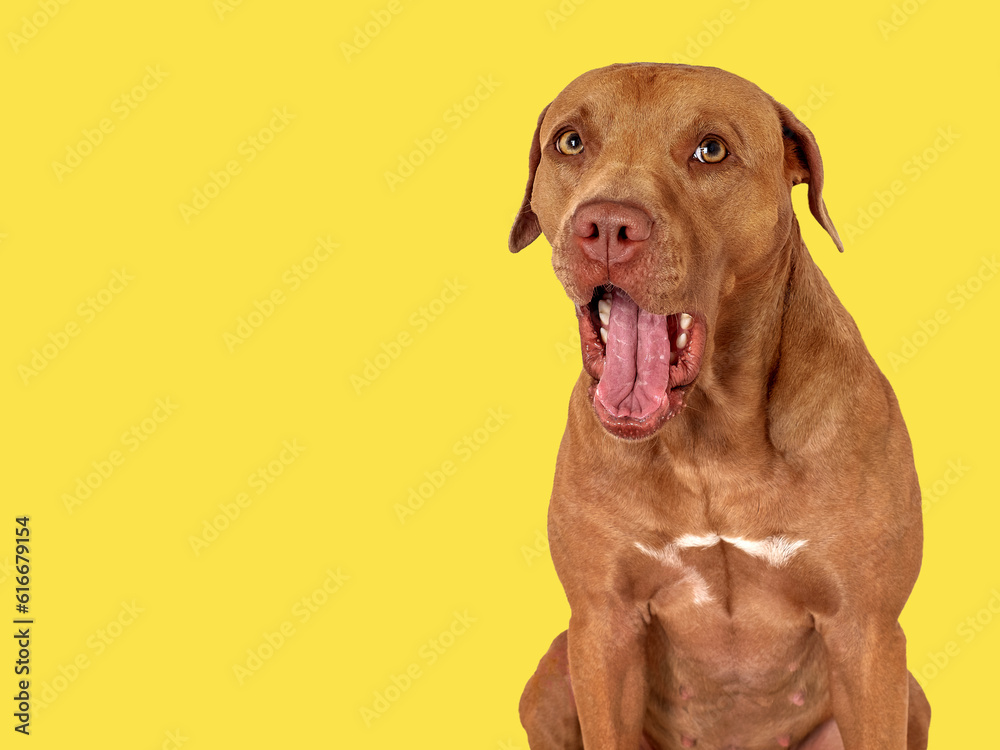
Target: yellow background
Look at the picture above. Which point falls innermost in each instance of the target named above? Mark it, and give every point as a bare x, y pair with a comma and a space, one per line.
877, 83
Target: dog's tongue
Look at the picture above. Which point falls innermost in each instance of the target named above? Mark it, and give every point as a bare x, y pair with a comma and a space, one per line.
637, 365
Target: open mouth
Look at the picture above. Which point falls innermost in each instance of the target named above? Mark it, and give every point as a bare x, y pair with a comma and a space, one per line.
643, 363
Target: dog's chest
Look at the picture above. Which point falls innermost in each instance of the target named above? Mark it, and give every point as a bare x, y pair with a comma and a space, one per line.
734, 658
706, 568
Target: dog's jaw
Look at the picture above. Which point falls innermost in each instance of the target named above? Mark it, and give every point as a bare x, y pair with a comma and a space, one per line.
643, 365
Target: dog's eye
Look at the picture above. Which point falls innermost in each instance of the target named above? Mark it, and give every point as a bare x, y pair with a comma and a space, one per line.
569, 143
711, 151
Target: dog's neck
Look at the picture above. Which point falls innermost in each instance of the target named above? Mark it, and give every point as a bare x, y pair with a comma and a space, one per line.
780, 358
729, 408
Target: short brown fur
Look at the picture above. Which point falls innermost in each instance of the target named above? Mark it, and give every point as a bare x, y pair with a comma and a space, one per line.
789, 429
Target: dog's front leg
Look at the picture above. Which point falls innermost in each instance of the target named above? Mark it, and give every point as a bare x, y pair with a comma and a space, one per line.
868, 682
607, 664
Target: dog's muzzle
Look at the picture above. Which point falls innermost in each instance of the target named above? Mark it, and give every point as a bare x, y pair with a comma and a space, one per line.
642, 363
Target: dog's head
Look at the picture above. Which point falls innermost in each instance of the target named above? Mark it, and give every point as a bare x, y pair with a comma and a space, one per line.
664, 191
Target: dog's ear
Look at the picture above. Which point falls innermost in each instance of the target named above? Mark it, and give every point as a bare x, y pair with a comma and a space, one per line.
803, 164
526, 227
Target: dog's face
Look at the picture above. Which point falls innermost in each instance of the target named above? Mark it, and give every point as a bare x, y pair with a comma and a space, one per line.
664, 190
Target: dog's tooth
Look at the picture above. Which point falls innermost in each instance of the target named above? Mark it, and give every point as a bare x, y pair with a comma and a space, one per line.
604, 335
604, 305
685, 321
682, 341
605, 316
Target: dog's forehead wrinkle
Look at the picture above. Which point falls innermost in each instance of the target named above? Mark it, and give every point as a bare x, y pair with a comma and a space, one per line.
664, 98
581, 116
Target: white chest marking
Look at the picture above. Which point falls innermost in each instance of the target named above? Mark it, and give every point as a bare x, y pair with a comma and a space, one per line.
668, 556
774, 550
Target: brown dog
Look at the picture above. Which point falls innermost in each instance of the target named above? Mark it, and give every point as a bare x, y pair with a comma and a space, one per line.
735, 516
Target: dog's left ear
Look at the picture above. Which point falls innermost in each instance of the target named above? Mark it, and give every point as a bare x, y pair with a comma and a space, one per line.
526, 227
803, 164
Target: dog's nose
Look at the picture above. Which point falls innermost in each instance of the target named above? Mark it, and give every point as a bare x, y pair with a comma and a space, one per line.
610, 232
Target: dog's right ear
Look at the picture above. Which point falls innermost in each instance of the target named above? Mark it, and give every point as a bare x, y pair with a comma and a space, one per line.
526, 227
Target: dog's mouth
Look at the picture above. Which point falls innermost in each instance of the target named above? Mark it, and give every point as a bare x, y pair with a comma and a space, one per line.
643, 363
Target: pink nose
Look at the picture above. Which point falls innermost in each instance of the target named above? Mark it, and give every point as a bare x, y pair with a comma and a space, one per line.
610, 232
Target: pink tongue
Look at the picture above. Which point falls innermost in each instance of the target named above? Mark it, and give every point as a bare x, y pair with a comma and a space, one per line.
637, 366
